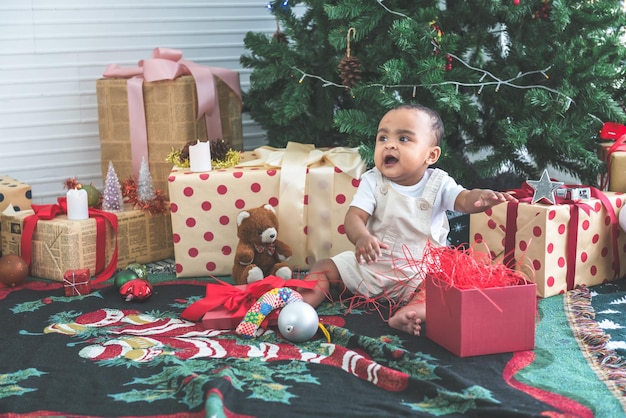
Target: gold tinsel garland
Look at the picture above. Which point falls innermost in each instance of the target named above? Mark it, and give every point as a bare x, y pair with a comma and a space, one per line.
230, 159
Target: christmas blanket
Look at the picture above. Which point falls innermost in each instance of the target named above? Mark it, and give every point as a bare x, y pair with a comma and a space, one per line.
98, 355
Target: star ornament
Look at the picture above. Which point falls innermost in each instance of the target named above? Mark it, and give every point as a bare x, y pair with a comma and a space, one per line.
544, 188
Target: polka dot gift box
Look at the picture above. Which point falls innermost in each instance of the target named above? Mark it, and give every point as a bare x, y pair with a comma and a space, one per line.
310, 188
15, 193
558, 246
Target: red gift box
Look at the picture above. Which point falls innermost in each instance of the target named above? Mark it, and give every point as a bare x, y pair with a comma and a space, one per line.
222, 318
224, 305
472, 322
77, 282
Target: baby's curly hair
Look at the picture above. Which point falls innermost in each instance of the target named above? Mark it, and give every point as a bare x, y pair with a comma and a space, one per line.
437, 123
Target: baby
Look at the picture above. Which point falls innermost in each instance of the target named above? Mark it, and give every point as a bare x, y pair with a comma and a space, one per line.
399, 207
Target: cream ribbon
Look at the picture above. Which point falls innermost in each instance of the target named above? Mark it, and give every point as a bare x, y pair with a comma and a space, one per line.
295, 161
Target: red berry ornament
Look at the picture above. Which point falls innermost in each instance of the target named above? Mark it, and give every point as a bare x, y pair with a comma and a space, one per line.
136, 289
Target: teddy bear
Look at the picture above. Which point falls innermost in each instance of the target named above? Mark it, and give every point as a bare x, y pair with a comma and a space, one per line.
259, 252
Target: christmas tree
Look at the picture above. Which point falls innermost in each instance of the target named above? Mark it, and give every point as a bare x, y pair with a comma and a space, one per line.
521, 85
112, 199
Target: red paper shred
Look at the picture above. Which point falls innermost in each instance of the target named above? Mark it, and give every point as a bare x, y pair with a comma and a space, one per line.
465, 268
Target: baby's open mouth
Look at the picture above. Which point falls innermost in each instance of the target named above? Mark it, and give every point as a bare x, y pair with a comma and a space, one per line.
390, 159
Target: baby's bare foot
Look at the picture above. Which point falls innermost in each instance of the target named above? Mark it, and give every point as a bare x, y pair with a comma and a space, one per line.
407, 321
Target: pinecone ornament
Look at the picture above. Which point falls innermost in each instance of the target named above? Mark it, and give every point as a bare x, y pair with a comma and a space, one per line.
349, 71
280, 37
219, 149
349, 67
184, 152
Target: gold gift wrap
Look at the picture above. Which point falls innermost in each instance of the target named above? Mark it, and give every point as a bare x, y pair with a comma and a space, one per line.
310, 189
60, 244
171, 121
546, 236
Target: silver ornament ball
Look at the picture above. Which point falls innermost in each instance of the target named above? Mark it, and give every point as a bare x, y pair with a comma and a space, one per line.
298, 321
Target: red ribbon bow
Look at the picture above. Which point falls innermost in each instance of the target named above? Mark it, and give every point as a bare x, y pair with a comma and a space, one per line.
525, 195
270, 248
238, 299
47, 212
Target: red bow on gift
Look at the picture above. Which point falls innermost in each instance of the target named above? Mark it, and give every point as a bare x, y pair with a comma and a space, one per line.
47, 212
238, 299
525, 194
270, 248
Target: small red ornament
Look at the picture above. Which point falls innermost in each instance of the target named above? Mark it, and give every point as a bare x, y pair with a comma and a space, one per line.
516, 2
136, 289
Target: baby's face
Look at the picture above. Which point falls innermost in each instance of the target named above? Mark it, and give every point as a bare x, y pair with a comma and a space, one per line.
405, 146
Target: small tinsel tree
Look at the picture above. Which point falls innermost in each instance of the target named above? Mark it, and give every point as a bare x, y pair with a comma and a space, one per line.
145, 188
112, 199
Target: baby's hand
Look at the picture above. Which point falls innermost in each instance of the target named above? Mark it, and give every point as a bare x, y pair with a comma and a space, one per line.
489, 198
368, 249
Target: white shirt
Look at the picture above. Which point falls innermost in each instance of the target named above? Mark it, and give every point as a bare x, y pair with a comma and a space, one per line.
364, 197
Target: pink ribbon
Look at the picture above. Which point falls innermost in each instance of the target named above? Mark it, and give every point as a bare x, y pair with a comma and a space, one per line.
167, 64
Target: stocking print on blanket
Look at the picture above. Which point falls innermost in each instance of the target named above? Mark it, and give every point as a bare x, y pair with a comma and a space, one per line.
98, 355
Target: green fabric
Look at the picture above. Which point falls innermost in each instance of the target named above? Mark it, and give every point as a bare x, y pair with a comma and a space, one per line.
573, 377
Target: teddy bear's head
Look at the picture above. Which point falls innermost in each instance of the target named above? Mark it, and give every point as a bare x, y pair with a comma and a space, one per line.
258, 225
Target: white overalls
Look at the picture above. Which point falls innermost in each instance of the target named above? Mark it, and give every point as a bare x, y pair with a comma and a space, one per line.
404, 224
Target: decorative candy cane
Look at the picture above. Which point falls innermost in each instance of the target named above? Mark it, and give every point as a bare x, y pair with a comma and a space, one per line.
272, 299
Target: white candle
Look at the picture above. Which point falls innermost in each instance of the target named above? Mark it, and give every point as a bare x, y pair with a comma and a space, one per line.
77, 207
200, 157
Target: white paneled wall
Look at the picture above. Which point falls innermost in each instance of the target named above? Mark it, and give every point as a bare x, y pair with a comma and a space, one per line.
53, 51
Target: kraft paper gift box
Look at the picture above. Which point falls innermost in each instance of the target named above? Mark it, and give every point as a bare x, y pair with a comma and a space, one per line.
309, 188
473, 322
162, 105
559, 246
59, 244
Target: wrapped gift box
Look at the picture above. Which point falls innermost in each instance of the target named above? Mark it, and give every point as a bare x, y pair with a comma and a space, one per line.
473, 322
59, 245
77, 282
14, 193
225, 305
551, 247
171, 109
221, 318
616, 163
459, 229
311, 190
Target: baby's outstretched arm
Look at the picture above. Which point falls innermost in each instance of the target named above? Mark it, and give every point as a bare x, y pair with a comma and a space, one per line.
479, 200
